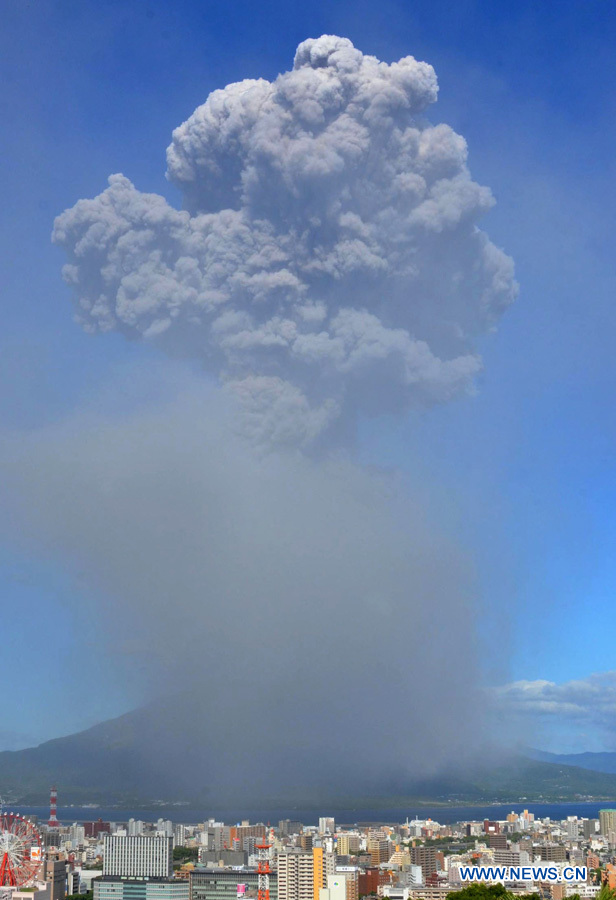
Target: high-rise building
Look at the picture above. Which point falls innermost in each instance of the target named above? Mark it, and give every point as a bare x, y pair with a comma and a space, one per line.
288, 826
607, 821
249, 845
497, 841
135, 826
164, 827
319, 876
573, 828
138, 856
300, 874
426, 858
93, 829
379, 850
77, 835
327, 825
55, 874
371, 879
590, 827
217, 837
351, 881
347, 843
335, 890
239, 832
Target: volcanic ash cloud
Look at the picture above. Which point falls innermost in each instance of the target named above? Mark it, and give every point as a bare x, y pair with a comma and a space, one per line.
327, 260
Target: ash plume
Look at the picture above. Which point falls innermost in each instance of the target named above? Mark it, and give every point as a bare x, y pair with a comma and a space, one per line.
326, 265
327, 261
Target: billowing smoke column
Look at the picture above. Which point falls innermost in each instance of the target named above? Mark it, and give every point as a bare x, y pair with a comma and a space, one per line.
327, 264
327, 260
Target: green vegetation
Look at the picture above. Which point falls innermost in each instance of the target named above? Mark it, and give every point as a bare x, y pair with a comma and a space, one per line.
492, 892
87, 896
185, 854
606, 893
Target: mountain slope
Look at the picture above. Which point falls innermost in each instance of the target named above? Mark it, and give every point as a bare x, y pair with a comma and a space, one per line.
596, 762
169, 751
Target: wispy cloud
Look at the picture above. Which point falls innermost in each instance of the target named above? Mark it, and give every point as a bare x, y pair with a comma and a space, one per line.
549, 707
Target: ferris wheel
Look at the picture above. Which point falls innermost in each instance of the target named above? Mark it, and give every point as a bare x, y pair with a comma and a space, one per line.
21, 850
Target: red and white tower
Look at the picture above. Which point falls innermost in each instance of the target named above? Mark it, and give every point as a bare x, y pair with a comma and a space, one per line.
263, 870
53, 808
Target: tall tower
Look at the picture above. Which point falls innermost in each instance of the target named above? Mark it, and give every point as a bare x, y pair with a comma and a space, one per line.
53, 808
263, 870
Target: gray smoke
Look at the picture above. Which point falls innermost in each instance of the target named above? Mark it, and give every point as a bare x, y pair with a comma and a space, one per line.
327, 264
327, 260
311, 610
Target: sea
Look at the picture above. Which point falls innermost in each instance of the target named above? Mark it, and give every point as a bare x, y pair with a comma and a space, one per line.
444, 814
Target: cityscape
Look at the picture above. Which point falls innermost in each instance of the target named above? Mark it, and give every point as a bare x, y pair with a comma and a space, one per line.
307, 450
419, 859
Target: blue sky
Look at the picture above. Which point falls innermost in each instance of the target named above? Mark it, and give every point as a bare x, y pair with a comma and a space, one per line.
92, 88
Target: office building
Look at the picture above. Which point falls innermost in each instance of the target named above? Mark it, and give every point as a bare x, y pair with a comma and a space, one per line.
108, 887
379, 849
572, 828
590, 828
239, 832
347, 843
55, 875
426, 858
164, 827
77, 835
371, 879
351, 881
288, 826
511, 858
497, 841
216, 837
552, 853
138, 856
335, 890
227, 884
93, 829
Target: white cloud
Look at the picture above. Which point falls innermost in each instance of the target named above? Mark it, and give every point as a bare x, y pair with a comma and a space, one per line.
588, 701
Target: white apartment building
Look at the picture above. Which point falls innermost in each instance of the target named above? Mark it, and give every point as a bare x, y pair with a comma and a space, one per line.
138, 856
296, 875
135, 826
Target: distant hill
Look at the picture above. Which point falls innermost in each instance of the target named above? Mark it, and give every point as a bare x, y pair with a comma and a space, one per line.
596, 762
155, 753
